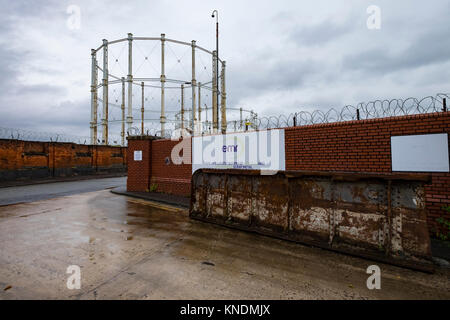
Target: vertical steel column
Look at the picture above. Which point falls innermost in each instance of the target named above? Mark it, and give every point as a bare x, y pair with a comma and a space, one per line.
240, 117
94, 97
199, 102
163, 80
193, 84
142, 110
122, 107
214, 95
96, 103
105, 93
223, 97
182, 106
130, 82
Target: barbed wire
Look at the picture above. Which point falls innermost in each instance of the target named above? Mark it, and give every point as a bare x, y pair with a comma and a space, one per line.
362, 111
31, 135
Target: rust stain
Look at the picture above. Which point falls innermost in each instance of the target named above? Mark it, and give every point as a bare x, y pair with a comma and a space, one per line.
355, 213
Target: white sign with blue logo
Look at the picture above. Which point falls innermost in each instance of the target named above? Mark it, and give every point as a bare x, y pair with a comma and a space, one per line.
254, 150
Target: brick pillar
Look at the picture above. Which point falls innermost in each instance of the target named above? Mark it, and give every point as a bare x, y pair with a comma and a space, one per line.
139, 171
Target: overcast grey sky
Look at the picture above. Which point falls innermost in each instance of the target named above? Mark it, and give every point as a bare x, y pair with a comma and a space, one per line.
282, 56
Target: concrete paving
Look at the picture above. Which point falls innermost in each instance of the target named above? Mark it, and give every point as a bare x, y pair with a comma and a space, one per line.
29, 193
129, 248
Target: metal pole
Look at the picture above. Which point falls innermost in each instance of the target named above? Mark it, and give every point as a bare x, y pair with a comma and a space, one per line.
199, 103
105, 92
223, 97
163, 80
122, 106
182, 106
130, 82
214, 95
142, 110
216, 14
444, 105
96, 103
193, 84
94, 98
240, 117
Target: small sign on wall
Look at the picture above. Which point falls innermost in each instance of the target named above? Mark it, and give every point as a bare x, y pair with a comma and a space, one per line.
138, 155
420, 153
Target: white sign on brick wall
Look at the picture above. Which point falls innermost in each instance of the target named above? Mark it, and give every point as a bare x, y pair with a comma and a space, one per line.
138, 155
420, 153
258, 150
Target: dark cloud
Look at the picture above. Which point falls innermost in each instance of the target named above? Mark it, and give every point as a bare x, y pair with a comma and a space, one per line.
426, 50
310, 55
8, 69
40, 89
321, 33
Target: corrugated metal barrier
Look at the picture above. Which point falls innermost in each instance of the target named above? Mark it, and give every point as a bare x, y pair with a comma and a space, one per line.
381, 217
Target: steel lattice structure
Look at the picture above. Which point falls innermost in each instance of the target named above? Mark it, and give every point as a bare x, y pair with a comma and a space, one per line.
125, 83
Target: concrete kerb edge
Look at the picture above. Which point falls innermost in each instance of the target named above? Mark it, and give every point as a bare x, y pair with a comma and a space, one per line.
133, 195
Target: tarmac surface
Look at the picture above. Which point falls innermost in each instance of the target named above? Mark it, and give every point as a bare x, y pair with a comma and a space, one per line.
35, 192
130, 248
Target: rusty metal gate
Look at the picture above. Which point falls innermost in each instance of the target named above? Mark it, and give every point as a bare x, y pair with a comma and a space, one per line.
381, 217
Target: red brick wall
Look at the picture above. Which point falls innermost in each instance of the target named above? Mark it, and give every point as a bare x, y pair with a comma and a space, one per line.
168, 177
364, 146
30, 159
156, 168
139, 171
354, 146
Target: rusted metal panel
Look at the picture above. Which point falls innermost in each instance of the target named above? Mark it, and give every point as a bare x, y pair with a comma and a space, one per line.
380, 217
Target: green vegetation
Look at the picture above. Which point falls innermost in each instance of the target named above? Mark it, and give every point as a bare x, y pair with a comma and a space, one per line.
153, 187
443, 232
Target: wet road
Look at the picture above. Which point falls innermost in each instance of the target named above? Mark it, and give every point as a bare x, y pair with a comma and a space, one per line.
131, 249
44, 191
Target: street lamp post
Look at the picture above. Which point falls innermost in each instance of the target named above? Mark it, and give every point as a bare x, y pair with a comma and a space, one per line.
215, 14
